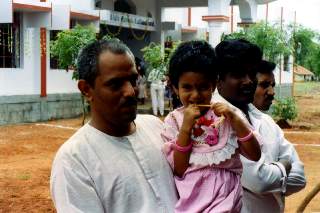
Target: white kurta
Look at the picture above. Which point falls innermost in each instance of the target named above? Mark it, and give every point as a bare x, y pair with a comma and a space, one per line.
96, 172
265, 182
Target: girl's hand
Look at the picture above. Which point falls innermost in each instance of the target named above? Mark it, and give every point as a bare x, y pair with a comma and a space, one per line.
191, 113
224, 109
249, 149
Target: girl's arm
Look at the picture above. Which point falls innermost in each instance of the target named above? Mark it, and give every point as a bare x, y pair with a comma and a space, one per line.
183, 149
248, 144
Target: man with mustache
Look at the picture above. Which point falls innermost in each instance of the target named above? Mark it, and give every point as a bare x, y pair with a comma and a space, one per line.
113, 163
265, 86
279, 172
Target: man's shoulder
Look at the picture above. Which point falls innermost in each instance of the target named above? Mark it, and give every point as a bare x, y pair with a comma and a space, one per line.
260, 115
146, 119
267, 118
75, 143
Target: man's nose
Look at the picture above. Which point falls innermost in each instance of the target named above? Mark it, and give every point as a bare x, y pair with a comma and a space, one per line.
271, 91
129, 89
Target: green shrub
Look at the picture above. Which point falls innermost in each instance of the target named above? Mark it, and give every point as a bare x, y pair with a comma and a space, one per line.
285, 109
69, 43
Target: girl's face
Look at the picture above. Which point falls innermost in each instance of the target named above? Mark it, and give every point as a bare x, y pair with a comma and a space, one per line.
194, 88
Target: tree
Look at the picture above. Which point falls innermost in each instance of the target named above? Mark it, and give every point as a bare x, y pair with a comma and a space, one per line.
314, 62
68, 45
273, 41
155, 57
306, 43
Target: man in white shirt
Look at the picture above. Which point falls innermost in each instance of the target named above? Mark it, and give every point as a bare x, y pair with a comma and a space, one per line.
157, 88
279, 171
114, 163
264, 93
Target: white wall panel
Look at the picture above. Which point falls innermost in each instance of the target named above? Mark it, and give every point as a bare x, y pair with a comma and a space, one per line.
60, 17
6, 11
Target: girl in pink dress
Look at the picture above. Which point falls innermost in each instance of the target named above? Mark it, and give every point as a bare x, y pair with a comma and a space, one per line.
202, 149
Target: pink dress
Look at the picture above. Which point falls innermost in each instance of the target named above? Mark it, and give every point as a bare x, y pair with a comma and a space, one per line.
212, 182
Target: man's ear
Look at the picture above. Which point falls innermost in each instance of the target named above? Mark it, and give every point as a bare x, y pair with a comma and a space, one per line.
85, 89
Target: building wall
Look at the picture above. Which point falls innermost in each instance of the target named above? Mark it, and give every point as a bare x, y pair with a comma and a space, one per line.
20, 99
32, 108
60, 81
77, 4
26, 79
283, 91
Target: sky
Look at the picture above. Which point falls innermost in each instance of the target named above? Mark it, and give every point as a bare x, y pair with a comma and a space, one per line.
307, 13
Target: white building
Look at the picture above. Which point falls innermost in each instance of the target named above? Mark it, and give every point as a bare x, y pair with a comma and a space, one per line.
33, 89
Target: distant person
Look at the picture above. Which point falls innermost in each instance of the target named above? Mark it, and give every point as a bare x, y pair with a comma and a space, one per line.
141, 81
264, 94
113, 163
205, 159
279, 172
157, 88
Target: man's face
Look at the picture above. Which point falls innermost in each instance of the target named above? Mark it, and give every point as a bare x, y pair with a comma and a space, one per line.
113, 96
265, 91
238, 88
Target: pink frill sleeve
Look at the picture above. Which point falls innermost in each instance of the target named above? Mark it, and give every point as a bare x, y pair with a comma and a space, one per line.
169, 136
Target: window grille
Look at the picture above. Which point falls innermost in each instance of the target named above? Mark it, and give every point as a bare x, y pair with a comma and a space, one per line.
10, 43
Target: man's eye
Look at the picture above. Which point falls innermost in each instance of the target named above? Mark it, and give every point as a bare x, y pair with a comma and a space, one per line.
133, 82
186, 87
115, 85
264, 85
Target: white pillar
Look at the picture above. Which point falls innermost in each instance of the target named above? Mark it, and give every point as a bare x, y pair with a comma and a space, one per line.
216, 29
248, 11
217, 17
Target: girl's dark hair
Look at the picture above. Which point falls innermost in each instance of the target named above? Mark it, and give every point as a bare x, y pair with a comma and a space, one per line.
192, 56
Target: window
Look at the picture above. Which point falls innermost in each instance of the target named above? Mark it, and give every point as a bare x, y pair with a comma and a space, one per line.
10, 43
286, 64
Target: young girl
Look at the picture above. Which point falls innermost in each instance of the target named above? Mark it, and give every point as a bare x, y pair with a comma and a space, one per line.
203, 149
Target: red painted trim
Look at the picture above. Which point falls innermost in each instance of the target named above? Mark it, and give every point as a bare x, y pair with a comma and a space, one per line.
84, 16
231, 18
218, 18
245, 24
189, 30
31, 7
189, 16
43, 61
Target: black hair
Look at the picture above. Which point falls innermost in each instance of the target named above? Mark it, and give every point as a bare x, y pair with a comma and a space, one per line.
139, 63
266, 67
235, 54
195, 56
88, 59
